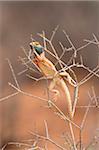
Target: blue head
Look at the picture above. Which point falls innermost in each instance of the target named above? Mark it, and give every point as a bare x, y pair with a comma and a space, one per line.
37, 47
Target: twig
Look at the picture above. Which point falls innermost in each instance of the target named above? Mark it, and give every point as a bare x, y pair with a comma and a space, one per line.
61, 54
13, 74
21, 72
91, 106
82, 125
33, 78
82, 47
28, 67
48, 139
44, 41
75, 99
9, 96
73, 137
53, 33
46, 129
85, 116
94, 95
19, 143
97, 42
3, 148
90, 75
75, 50
90, 41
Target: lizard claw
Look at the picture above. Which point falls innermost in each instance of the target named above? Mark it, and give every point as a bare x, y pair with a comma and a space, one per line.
56, 94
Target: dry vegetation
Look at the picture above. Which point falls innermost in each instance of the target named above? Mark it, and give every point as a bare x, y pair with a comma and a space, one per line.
68, 139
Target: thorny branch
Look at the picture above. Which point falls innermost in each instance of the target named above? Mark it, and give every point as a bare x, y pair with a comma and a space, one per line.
47, 137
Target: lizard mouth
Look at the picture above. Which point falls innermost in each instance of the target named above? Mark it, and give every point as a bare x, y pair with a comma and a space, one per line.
33, 55
31, 46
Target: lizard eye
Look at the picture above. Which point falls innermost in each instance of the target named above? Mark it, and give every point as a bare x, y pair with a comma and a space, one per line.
37, 43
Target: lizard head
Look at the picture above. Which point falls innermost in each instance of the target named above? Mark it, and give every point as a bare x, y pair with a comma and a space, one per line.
37, 47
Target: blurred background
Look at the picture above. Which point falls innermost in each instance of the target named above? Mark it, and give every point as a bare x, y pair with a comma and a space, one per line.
18, 20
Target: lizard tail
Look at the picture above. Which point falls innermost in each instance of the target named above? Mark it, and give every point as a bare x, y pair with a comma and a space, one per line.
68, 98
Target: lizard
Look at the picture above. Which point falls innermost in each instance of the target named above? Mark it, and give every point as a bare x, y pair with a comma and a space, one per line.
49, 71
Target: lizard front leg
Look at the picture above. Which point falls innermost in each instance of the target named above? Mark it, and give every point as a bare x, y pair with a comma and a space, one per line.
52, 89
68, 78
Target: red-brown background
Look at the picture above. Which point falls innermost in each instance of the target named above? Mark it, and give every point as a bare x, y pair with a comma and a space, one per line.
18, 20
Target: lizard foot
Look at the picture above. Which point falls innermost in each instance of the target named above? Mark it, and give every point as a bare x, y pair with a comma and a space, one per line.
56, 94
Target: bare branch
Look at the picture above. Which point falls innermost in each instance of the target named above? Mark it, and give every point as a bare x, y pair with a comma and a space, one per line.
81, 60
13, 74
82, 47
75, 50
33, 78
94, 95
46, 129
97, 42
54, 32
21, 72
75, 99
44, 41
90, 41
9, 96
85, 116
73, 137
48, 139
3, 148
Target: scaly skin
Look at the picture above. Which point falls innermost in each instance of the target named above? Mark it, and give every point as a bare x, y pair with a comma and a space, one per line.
48, 70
